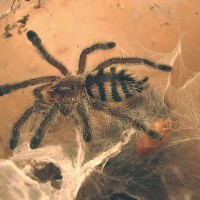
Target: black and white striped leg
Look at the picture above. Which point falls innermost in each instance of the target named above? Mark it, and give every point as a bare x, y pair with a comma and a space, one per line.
84, 120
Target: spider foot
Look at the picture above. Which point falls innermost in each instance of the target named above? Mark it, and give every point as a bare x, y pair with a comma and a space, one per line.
165, 68
33, 37
109, 45
87, 136
5, 89
35, 142
155, 135
13, 143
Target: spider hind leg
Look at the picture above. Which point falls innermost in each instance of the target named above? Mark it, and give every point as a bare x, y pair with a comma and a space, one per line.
139, 126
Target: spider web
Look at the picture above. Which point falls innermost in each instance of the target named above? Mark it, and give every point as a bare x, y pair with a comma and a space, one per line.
108, 167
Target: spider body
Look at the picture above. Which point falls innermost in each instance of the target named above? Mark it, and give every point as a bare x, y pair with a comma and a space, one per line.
77, 96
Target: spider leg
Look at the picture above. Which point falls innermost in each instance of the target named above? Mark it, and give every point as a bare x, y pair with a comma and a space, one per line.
16, 129
85, 52
86, 129
37, 92
37, 138
8, 88
36, 41
124, 117
133, 60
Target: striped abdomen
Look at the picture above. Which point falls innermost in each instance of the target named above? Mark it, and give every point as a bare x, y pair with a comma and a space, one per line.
113, 84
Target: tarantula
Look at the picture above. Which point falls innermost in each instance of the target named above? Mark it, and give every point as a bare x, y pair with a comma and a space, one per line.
76, 96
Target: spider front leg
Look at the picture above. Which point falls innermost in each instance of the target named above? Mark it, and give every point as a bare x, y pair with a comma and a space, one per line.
37, 42
16, 129
86, 127
37, 138
8, 88
85, 52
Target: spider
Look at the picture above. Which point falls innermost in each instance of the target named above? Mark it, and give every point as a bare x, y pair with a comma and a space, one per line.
77, 95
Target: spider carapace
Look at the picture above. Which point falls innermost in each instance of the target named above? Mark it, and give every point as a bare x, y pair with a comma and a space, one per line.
77, 95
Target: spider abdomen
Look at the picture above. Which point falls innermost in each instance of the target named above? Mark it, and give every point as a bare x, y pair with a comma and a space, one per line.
112, 84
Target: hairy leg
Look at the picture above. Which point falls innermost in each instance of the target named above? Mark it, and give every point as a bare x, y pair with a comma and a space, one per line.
37, 138
85, 52
86, 127
16, 129
8, 88
124, 117
133, 60
36, 41
37, 92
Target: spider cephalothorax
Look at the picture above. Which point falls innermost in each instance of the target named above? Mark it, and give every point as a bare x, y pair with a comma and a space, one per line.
70, 88
76, 96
